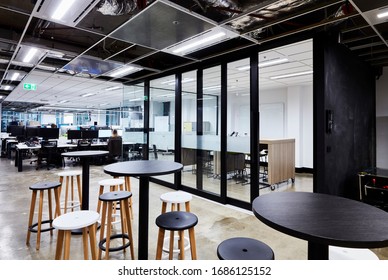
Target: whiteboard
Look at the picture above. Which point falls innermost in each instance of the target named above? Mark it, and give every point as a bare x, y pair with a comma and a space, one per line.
161, 123
271, 121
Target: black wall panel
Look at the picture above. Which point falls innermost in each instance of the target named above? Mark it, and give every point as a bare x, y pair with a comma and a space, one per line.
344, 124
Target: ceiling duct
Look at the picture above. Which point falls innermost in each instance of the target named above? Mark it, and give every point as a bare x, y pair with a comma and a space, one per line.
119, 7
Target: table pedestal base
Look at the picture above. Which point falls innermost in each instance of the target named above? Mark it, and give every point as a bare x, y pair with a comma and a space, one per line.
317, 251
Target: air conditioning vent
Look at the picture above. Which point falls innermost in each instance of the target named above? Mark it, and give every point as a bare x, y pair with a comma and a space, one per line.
75, 13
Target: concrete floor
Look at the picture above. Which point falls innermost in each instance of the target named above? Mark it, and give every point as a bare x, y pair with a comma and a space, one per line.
216, 222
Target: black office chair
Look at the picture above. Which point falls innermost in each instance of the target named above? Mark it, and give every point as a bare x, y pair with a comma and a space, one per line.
136, 152
115, 148
48, 155
83, 145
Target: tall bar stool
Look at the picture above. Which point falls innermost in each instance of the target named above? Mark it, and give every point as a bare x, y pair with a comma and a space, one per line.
113, 185
37, 227
69, 177
243, 248
174, 200
108, 199
176, 221
83, 219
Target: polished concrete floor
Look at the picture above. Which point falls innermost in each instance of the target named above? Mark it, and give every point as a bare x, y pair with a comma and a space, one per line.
216, 222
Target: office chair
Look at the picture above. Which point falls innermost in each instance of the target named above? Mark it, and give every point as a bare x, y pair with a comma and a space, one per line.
135, 152
48, 154
83, 145
115, 148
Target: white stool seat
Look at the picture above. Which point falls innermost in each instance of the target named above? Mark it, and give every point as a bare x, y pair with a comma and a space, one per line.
76, 220
176, 197
111, 182
70, 173
342, 253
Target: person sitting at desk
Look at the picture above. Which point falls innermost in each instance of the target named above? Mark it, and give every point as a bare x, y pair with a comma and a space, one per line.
115, 146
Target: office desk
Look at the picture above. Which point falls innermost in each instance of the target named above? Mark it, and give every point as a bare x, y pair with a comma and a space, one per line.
143, 169
323, 220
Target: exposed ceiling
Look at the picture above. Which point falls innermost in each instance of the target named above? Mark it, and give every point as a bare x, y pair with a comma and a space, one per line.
97, 45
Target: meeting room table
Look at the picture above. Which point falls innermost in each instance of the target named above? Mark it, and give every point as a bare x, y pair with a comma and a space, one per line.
143, 169
323, 220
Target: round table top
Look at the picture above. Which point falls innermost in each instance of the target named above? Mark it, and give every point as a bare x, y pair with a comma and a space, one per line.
143, 168
324, 219
86, 153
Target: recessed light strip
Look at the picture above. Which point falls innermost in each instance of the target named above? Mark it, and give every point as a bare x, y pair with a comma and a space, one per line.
30, 55
87, 94
382, 15
291, 75
199, 42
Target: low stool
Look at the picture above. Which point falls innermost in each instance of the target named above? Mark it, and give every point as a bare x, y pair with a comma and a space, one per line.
37, 227
176, 221
242, 248
66, 223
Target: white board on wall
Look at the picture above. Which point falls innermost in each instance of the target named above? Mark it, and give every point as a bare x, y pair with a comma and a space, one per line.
161, 123
271, 121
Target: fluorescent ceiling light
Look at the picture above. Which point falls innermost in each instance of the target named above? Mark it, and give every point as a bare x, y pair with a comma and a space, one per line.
63, 101
135, 99
382, 15
291, 75
87, 94
15, 76
30, 55
112, 88
265, 63
122, 71
212, 88
104, 104
1, 97
199, 42
62, 9
7, 88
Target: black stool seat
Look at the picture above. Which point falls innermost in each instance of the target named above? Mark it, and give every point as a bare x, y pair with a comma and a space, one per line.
176, 220
44, 186
242, 248
115, 196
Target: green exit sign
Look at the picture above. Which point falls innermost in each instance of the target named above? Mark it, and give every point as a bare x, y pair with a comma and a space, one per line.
28, 86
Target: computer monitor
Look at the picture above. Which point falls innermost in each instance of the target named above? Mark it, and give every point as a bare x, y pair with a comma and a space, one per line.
32, 131
15, 130
89, 134
49, 133
74, 134
104, 133
119, 132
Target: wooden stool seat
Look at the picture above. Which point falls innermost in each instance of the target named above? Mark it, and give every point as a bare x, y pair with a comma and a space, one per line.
69, 176
85, 220
37, 227
176, 221
242, 248
109, 199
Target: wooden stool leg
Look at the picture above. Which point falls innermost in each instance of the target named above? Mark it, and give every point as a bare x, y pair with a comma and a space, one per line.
79, 188
92, 238
159, 247
66, 193
66, 254
108, 230
85, 242
127, 180
164, 207
181, 245
58, 252
193, 246
171, 247
31, 217
72, 193
123, 221
129, 227
101, 191
102, 228
40, 214
187, 205
50, 210
57, 202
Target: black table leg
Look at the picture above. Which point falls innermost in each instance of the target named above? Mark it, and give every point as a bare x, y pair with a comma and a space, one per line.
19, 160
317, 251
143, 218
85, 161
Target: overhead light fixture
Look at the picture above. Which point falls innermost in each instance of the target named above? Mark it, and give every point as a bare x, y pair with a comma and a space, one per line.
15, 76
88, 94
7, 88
62, 9
212, 88
199, 42
383, 14
265, 63
30, 54
291, 75
63, 101
104, 104
135, 99
122, 71
112, 88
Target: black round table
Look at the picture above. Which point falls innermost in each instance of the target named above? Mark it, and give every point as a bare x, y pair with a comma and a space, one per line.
323, 220
143, 169
85, 157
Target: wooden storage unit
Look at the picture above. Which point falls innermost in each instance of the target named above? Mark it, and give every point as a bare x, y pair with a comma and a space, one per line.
281, 160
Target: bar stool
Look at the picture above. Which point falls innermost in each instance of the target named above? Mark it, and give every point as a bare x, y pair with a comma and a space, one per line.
242, 248
41, 187
108, 199
83, 219
69, 176
113, 184
176, 221
174, 200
